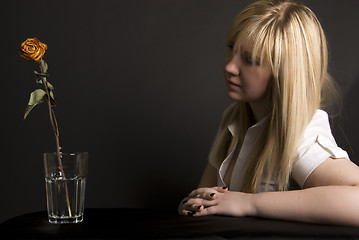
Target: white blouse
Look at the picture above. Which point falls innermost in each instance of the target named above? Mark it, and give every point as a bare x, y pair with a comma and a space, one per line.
315, 146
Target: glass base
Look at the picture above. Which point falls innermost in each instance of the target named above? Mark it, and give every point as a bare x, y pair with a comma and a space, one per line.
65, 220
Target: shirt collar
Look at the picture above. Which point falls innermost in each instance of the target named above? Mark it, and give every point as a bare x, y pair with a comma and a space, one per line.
233, 126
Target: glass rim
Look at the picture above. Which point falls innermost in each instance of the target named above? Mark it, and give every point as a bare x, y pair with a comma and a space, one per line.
67, 153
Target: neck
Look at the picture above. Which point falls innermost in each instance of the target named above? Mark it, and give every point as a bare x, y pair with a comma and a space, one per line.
260, 110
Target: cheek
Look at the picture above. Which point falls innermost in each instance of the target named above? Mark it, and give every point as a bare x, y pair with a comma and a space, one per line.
264, 76
259, 83
264, 85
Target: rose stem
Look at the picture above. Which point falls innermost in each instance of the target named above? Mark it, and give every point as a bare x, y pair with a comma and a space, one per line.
57, 140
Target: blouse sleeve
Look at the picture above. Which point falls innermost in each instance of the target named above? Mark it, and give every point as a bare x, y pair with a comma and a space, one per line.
316, 145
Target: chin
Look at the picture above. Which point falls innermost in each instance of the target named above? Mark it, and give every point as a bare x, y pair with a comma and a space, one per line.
235, 97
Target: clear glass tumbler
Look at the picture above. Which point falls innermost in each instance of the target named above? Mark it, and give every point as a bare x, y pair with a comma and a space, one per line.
65, 178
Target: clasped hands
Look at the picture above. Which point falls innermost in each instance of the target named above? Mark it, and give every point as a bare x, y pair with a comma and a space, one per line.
216, 200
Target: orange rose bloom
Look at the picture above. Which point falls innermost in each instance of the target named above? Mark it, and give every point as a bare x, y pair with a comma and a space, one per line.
32, 49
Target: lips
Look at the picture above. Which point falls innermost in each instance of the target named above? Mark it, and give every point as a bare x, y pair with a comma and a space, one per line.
233, 84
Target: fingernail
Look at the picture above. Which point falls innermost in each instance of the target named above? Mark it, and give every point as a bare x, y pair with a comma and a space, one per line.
212, 194
224, 188
190, 214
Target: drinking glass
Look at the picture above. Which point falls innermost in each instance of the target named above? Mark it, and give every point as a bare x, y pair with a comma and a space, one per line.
65, 178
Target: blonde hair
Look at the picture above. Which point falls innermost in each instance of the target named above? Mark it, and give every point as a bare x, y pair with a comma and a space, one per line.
289, 38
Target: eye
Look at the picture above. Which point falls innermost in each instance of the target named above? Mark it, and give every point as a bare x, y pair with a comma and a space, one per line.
247, 58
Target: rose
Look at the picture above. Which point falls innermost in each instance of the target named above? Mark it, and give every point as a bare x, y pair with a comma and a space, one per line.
32, 49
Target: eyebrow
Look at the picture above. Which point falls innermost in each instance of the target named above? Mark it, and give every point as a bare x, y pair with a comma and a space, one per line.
249, 54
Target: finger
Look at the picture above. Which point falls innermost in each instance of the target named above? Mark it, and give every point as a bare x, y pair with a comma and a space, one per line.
221, 189
199, 198
195, 204
187, 213
185, 200
206, 211
185, 210
199, 204
190, 214
182, 212
199, 191
202, 192
193, 201
195, 208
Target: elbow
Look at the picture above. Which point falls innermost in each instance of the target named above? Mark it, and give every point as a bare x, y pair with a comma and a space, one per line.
345, 206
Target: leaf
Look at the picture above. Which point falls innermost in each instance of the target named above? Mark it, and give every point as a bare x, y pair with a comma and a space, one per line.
50, 86
40, 81
36, 97
28, 110
52, 99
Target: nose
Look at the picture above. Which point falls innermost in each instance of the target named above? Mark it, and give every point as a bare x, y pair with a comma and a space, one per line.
232, 64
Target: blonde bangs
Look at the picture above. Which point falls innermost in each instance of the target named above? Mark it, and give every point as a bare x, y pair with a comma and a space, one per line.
259, 36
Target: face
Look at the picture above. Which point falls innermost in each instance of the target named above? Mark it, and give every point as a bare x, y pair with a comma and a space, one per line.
245, 81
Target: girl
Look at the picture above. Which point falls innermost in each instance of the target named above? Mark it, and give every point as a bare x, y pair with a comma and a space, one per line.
274, 155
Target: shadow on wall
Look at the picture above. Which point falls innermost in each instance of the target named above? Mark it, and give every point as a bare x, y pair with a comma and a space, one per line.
346, 128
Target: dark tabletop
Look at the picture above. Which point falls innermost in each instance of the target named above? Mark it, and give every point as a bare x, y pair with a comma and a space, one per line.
127, 223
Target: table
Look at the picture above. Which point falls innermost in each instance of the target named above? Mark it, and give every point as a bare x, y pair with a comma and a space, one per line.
134, 223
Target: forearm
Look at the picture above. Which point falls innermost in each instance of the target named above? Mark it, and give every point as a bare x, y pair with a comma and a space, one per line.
329, 204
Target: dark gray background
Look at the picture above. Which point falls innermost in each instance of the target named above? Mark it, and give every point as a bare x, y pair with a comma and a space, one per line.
139, 86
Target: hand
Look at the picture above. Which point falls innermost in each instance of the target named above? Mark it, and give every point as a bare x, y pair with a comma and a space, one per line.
191, 204
203, 202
